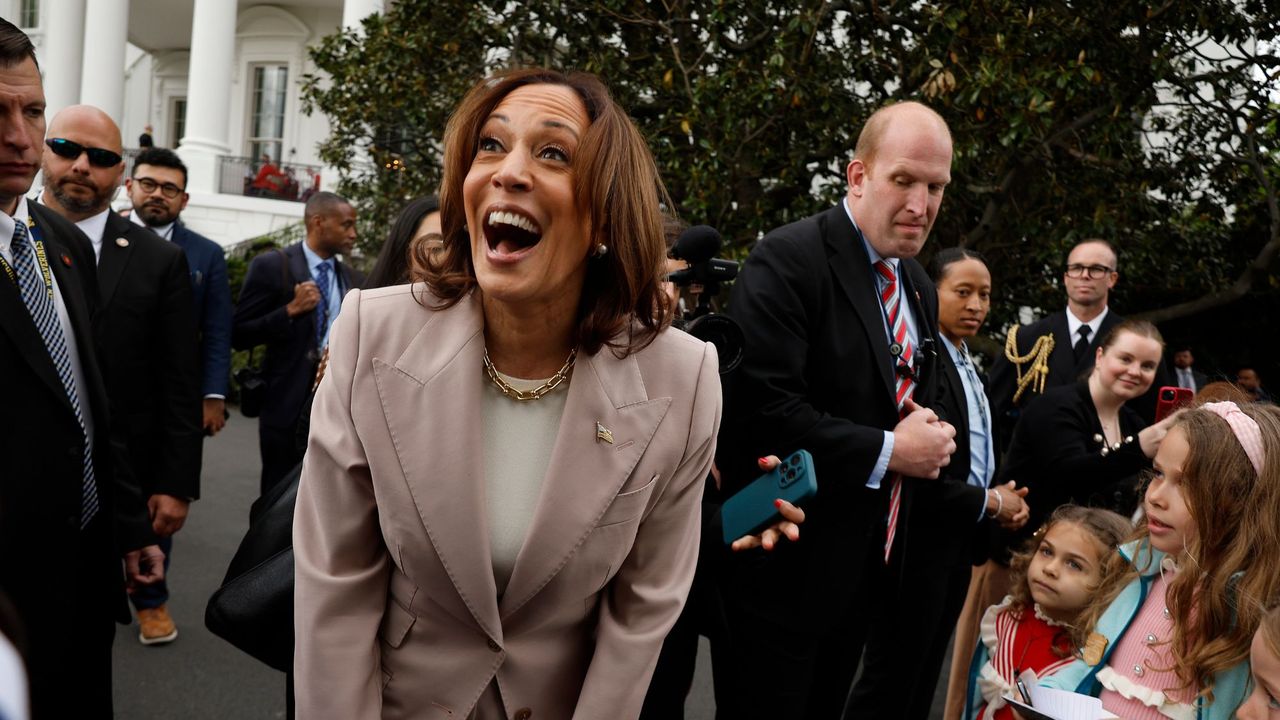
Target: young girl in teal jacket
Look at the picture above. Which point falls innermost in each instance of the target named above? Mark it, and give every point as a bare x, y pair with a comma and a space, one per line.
1168, 635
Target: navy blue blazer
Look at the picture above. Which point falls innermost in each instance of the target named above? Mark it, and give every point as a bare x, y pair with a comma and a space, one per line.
260, 318
211, 303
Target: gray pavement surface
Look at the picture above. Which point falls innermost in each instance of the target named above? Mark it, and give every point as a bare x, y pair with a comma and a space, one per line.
201, 677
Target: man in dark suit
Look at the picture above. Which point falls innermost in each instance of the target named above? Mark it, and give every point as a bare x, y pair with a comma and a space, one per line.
1184, 371
840, 325
68, 512
950, 520
288, 302
1091, 273
158, 194
144, 329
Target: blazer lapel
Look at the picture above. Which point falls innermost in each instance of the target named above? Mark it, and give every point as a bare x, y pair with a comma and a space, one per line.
113, 258
955, 386
852, 268
16, 322
297, 265
585, 473
439, 377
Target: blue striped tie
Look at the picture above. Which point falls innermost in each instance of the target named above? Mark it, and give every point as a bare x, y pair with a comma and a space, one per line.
323, 274
38, 298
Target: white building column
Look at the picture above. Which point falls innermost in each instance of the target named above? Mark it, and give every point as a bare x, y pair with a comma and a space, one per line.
60, 59
102, 76
353, 11
213, 46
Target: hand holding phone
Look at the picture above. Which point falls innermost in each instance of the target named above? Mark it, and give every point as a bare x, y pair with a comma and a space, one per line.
753, 508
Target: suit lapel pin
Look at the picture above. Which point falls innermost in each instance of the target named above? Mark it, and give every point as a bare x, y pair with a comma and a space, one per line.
122, 242
603, 433
66, 259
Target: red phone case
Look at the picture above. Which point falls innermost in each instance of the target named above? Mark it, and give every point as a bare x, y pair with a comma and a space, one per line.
1171, 398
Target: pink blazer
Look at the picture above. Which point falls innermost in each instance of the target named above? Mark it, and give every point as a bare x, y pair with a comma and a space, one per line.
397, 615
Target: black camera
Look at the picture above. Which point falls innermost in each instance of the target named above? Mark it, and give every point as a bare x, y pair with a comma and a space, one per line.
699, 246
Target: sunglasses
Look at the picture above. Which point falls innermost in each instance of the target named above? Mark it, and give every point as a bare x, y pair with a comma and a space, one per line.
98, 157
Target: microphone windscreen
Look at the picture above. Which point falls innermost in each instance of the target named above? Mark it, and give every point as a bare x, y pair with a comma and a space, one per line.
697, 244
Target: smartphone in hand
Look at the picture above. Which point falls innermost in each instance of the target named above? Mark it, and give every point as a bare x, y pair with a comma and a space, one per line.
1170, 399
751, 509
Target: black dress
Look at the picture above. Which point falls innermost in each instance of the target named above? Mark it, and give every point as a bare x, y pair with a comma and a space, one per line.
1058, 452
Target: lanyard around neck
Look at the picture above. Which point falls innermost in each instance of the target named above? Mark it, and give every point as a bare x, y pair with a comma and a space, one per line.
41, 259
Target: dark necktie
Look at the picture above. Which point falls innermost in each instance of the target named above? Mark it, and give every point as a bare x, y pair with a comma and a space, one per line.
1081, 348
36, 288
891, 299
323, 273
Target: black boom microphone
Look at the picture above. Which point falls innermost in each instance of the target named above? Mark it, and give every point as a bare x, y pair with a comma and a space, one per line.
698, 246
697, 243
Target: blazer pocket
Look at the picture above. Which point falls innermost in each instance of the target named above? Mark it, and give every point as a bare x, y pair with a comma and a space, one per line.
396, 623
629, 505
398, 618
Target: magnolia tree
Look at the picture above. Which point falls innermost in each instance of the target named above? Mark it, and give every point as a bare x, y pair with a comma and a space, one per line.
1151, 124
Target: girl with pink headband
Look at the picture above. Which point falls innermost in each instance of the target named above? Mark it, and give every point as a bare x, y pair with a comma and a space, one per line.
1168, 633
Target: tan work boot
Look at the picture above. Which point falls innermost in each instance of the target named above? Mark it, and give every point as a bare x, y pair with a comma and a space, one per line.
157, 626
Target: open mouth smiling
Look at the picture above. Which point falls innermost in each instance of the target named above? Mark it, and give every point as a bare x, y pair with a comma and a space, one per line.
509, 230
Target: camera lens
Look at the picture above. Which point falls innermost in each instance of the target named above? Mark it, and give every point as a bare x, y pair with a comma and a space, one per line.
1167, 395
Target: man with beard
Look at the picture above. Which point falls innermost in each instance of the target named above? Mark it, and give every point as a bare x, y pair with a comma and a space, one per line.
144, 327
157, 191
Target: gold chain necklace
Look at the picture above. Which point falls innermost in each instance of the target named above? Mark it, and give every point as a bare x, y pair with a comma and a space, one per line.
526, 395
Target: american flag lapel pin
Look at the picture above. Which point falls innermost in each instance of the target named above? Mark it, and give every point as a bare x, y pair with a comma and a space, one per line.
603, 433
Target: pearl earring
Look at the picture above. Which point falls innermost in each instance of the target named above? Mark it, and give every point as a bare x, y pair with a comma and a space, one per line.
601, 251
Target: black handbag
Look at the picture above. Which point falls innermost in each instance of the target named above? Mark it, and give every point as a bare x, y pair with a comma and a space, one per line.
253, 389
253, 610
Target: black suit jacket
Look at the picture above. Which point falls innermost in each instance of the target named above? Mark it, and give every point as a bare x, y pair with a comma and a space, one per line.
949, 513
260, 319
150, 349
1057, 453
41, 444
1063, 369
817, 374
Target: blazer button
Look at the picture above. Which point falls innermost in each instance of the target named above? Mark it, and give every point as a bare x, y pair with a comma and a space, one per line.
523, 714
494, 646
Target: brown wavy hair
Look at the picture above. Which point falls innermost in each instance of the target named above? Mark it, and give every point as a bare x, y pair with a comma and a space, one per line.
1270, 630
1230, 570
615, 179
1104, 526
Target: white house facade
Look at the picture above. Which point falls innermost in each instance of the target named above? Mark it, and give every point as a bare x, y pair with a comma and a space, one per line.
218, 80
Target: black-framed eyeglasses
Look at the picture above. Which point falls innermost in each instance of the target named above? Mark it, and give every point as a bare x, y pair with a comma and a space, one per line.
69, 149
149, 186
1075, 270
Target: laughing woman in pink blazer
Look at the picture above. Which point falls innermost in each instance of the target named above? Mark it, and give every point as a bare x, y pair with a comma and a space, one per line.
499, 508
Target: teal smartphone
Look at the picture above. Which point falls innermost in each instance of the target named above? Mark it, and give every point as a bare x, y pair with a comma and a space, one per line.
751, 509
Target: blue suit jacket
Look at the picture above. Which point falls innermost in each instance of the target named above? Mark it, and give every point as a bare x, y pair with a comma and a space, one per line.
211, 302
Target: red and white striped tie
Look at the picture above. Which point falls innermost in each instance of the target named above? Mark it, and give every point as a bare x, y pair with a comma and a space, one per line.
891, 298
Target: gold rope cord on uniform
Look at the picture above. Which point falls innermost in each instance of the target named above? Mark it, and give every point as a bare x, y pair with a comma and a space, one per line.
1038, 357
